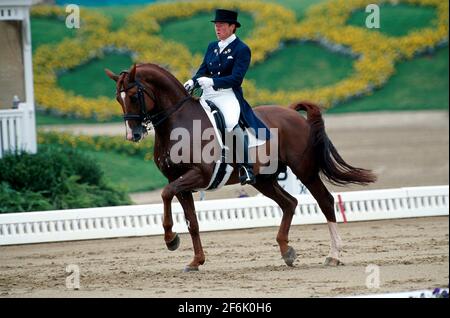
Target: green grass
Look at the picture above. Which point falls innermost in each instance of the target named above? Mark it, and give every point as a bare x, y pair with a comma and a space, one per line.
298, 6
45, 119
118, 14
42, 118
419, 84
398, 20
49, 31
197, 32
90, 80
299, 66
129, 173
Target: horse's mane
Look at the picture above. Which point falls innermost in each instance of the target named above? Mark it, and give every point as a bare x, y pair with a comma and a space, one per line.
165, 74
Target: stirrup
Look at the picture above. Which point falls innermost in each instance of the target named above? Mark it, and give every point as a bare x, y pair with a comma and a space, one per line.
247, 177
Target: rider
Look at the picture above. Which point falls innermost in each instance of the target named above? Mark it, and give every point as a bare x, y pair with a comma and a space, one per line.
220, 76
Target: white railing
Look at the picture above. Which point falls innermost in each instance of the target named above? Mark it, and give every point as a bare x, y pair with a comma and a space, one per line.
11, 13
141, 220
17, 130
14, 9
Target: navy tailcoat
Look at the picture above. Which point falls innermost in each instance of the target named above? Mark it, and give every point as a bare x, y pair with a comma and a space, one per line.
228, 69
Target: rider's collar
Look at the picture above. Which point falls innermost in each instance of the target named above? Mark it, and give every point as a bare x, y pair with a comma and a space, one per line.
224, 43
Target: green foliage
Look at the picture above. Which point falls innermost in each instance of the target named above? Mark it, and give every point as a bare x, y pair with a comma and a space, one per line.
402, 92
117, 13
44, 117
130, 173
15, 201
314, 67
298, 6
397, 20
419, 84
143, 149
49, 31
54, 178
196, 32
126, 164
80, 80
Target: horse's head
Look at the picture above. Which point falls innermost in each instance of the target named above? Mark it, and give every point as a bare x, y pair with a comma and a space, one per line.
137, 102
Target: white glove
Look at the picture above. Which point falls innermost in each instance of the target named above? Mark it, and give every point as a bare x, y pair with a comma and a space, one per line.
205, 82
189, 85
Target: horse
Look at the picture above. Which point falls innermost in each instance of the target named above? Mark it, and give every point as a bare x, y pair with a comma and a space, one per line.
149, 93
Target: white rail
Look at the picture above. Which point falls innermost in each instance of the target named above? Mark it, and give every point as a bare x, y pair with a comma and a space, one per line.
17, 130
213, 215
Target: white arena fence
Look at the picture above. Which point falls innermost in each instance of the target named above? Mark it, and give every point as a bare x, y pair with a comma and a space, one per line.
215, 215
17, 130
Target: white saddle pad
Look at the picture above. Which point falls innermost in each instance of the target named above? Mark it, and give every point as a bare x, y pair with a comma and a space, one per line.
252, 140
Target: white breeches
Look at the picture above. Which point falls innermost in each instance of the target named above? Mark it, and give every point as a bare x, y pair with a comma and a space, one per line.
228, 104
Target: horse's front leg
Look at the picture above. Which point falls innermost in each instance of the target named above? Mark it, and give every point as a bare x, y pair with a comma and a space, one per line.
192, 179
187, 202
172, 239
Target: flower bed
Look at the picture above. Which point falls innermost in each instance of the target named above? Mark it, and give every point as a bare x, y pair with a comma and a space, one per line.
375, 64
143, 149
324, 24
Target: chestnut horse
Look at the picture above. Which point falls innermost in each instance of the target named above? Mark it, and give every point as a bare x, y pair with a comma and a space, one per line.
150, 94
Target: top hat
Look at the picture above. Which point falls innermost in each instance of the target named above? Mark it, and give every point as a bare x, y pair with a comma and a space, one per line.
227, 16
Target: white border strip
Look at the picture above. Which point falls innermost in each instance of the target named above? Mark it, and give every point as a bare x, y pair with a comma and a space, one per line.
410, 294
215, 215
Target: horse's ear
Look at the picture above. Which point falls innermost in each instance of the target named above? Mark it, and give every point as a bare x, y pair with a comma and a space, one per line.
111, 75
133, 73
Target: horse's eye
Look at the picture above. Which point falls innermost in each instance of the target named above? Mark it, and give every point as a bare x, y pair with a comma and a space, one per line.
133, 99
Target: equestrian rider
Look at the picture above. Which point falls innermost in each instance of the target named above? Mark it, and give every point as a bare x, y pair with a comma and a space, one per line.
220, 76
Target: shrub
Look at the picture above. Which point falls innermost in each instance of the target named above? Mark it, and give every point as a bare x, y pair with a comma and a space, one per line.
12, 200
54, 178
143, 149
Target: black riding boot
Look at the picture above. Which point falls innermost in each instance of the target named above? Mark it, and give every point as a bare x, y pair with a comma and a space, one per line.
246, 175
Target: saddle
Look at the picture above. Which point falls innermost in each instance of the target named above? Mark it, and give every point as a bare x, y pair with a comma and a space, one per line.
220, 120
222, 170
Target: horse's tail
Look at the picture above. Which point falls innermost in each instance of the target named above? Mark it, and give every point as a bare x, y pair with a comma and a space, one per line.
330, 162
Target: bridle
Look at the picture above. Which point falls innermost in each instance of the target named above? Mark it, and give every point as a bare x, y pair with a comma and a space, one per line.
144, 117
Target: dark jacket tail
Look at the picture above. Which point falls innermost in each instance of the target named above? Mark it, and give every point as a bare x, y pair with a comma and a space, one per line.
330, 162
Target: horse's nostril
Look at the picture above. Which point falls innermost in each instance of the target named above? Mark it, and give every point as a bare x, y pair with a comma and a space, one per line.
136, 136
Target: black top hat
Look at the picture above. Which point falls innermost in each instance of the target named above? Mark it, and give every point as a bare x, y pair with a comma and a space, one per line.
228, 16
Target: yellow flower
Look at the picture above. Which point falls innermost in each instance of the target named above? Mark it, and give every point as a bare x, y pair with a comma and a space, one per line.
324, 23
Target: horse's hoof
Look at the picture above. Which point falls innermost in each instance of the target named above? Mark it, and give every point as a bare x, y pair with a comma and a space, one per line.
290, 256
174, 244
331, 261
190, 268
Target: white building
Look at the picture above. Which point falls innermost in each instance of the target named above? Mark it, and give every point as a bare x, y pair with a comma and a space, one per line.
17, 110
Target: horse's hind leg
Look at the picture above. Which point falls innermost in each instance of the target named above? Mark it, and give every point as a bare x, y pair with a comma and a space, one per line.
326, 204
287, 203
